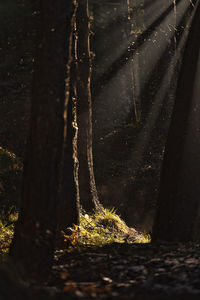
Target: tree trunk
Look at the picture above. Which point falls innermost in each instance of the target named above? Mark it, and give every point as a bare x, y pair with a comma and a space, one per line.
69, 207
134, 61
178, 213
87, 186
33, 243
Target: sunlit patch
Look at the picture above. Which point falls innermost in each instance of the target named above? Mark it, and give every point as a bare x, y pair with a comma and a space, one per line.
102, 228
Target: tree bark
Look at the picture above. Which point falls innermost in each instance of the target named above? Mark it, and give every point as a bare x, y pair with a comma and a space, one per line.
87, 186
33, 243
69, 207
178, 213
134, 62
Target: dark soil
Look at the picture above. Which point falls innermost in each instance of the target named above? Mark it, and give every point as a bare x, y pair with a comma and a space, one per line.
124, 271
117, 271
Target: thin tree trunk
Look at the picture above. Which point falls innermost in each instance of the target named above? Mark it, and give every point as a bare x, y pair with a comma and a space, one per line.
134, 63
88, 191
69, 207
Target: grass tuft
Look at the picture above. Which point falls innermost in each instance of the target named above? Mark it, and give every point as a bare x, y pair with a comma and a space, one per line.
6, 236
102, 228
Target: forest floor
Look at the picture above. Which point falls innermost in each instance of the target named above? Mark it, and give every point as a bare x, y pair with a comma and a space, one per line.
116, 271
124, 271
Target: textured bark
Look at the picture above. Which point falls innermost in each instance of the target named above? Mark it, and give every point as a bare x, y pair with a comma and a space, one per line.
69, 211
33, 243
134, 73
87, 186
178, 213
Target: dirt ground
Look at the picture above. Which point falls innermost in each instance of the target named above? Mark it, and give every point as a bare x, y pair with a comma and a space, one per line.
122, 271
116, 271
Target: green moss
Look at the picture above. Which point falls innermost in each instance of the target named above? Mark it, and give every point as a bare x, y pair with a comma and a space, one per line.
105, 227
6, 236
145, 238
10, 183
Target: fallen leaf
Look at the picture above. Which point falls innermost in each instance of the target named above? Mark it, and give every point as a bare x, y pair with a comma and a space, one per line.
64, 275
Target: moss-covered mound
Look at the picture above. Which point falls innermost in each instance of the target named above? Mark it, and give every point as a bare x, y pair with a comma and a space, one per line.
104, 227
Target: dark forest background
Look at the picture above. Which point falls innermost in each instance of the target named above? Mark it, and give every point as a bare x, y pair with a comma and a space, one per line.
129, 131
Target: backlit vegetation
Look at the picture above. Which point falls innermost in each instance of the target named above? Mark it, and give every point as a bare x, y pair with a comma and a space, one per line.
104, 227
10, 183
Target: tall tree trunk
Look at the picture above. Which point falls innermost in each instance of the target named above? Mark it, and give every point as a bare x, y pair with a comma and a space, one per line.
134, 63
88, 191
69, 206
178, 213
33, 243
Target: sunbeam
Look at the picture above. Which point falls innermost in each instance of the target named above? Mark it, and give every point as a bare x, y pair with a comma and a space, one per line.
135, 88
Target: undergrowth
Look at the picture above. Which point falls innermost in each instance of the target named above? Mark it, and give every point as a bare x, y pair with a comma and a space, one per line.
6, 236
102, 228
98, 229
10, 183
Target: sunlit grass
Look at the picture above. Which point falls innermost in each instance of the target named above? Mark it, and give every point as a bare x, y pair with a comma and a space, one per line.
6, 236
10, 184
145, 238
102, 228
